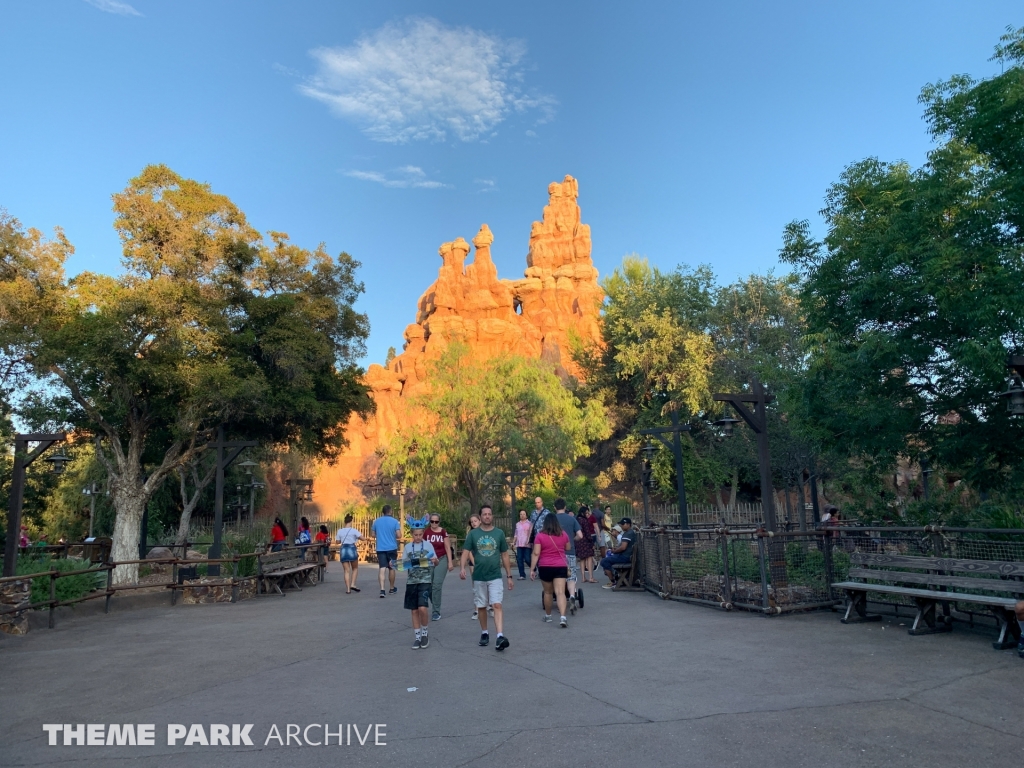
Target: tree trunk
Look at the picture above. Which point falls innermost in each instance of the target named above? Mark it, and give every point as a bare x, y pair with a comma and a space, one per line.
129, 504
734, 488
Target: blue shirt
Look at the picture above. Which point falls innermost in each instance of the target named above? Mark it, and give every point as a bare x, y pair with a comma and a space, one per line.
386, 530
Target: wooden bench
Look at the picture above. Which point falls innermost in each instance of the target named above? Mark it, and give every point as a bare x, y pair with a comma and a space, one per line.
285, 568
625, 573
932, 583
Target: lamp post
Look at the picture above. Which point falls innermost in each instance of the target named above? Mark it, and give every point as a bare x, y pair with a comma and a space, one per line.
514, 478
22, 458
757, 420
91, 492
227, 452
676, 446
301, 492
249, 466
647, 478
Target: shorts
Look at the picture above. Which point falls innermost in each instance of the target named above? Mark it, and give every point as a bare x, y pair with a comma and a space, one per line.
573, 571
549, 573
384, 558
417, 596
487, 593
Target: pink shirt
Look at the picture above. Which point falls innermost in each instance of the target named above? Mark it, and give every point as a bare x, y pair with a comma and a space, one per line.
523, 528
552, 550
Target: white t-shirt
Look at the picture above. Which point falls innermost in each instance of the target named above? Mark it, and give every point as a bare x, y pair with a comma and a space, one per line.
348, 536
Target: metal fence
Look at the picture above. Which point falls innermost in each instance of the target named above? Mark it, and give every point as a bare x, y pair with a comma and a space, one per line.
701, 515
776, 573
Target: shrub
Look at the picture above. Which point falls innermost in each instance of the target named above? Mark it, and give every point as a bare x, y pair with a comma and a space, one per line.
67, 588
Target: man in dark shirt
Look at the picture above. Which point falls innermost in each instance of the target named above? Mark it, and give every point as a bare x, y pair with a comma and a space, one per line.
620, 554
572, 528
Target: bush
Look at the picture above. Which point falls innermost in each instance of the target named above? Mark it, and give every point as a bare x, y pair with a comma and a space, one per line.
67, 588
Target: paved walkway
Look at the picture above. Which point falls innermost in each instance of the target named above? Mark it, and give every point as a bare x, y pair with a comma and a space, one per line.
634, 681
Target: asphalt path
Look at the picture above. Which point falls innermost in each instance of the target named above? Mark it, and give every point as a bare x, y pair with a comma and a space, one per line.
634, 681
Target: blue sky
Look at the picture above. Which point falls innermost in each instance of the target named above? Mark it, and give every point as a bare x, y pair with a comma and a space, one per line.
696, 130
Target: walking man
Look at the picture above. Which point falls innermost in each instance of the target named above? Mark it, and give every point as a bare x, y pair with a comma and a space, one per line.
438, 538
489, 550
420, 560
537, 517
571, 526
385, 530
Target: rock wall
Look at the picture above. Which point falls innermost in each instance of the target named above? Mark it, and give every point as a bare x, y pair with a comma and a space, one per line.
558, 295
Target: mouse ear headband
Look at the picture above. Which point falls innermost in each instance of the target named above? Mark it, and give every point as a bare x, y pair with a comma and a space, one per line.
417, 522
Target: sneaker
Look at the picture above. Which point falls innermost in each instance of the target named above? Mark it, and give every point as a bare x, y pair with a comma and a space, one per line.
490, 611
435, 616
501, 643
547, 618
424, 641
475, 614
607, 586
393, 591
562, 623
572, 606
1020, 647
484, 638
417, 645
382, 593
520, 578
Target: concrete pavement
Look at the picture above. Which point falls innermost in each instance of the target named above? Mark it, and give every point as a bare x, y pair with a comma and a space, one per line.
634, 681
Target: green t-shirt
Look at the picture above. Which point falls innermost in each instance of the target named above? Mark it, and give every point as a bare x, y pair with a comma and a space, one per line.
486, 548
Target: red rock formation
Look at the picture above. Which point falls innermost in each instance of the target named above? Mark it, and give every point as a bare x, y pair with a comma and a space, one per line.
558, 295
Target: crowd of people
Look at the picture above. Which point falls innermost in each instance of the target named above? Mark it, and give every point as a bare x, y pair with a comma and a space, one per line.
559, 548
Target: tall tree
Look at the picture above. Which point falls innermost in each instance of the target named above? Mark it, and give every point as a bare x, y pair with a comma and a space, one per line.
481, 419
914, 296
209, 324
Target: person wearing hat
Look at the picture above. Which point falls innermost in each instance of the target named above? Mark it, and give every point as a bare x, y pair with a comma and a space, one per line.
622, 553
419, 559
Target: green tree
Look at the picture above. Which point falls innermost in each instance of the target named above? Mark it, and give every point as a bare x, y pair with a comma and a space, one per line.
481, 419
209, 325
913, 298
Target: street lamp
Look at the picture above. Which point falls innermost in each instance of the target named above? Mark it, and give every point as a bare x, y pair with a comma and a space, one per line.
227, 452
1014, 395
301, 492
249, 465
727, 425
647, 481
91, 492
757, 420
22, 458
676, 446
58, 461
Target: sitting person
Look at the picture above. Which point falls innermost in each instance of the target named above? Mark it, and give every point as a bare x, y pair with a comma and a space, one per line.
1019, 610
621, 554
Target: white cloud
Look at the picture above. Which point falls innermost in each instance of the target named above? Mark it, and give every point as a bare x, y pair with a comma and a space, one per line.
114, 6
406, 177
486, 185
420, 79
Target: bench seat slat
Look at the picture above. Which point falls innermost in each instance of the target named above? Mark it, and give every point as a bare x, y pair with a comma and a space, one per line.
997, 567
928, 594
963, 582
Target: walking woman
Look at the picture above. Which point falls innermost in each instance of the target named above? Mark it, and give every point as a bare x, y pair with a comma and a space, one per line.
522, 541
278, 535
585, 546
347, 537
550, 548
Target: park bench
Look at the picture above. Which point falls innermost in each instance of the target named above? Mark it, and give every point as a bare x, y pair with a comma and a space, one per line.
288, 567
930, 582
626, 573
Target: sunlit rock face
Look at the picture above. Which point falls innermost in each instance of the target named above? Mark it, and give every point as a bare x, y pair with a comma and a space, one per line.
558, 294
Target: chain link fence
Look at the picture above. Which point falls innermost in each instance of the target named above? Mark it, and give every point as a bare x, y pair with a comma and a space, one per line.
776, 573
